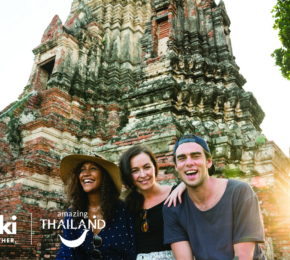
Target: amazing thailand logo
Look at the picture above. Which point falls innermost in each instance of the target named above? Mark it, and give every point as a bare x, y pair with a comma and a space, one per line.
69, 224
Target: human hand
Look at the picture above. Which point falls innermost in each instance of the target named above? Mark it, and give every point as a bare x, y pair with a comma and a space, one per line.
175, 194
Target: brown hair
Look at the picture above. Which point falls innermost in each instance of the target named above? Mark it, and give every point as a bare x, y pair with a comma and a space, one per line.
78, 198
134, 201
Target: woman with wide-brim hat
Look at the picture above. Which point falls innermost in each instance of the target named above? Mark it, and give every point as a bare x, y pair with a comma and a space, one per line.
93, 187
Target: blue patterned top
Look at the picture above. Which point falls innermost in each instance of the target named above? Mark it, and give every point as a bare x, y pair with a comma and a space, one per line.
119, 240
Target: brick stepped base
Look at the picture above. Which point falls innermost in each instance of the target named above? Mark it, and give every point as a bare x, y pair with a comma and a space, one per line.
49, 245
18, 253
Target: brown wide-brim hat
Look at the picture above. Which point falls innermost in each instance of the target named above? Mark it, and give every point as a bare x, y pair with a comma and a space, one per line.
70, 162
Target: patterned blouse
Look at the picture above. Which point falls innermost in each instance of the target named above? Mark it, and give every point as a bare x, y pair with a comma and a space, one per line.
119, 241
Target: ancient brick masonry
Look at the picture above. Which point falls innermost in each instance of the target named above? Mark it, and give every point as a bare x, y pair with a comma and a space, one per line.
121, 73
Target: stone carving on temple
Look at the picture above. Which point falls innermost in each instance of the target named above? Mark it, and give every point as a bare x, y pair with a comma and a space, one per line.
119, 73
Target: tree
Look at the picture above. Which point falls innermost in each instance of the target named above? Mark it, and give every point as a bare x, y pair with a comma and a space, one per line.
281, 13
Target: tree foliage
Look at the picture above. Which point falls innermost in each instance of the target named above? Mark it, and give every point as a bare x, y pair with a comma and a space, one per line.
281, 13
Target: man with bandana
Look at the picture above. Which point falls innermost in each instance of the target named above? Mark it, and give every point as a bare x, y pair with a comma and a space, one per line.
218, 219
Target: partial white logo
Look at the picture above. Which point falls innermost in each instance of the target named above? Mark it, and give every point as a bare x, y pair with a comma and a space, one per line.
5, 227
70, 224
74, 243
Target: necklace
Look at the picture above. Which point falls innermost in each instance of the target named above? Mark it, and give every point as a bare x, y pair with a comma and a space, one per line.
96, 212
94, 209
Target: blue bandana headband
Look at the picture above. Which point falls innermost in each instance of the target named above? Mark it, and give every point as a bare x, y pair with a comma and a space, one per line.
194, 139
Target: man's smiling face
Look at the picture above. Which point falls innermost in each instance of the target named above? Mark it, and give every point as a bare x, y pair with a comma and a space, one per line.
191, 164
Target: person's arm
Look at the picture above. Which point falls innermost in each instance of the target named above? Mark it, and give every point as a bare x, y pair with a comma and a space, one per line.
245, 251
67, 253
175, 194
182, 250
174, 233
248, 222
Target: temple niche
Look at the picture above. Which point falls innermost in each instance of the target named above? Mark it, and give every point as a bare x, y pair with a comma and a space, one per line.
120, 73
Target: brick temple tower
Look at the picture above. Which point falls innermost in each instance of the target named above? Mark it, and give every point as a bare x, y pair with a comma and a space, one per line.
119, 73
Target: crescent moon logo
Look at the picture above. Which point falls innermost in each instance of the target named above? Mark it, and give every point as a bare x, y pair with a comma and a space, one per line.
74, 243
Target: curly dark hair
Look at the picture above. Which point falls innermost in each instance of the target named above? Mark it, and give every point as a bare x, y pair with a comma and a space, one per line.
135, 200
78, 198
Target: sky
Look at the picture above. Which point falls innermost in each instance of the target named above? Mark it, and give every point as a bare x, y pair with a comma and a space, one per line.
253, 40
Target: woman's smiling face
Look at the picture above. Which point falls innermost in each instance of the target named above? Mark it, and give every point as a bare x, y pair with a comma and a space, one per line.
90, 177
143, 171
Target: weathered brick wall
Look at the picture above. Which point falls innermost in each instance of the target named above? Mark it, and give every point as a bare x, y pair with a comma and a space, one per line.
102, 98
6, 150
274, 204
22, 201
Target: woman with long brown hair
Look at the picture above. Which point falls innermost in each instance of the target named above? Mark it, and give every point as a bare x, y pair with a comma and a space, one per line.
93, 187
139, 170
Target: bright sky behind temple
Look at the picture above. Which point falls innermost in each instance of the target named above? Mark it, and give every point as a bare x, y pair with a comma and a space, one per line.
253, 40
